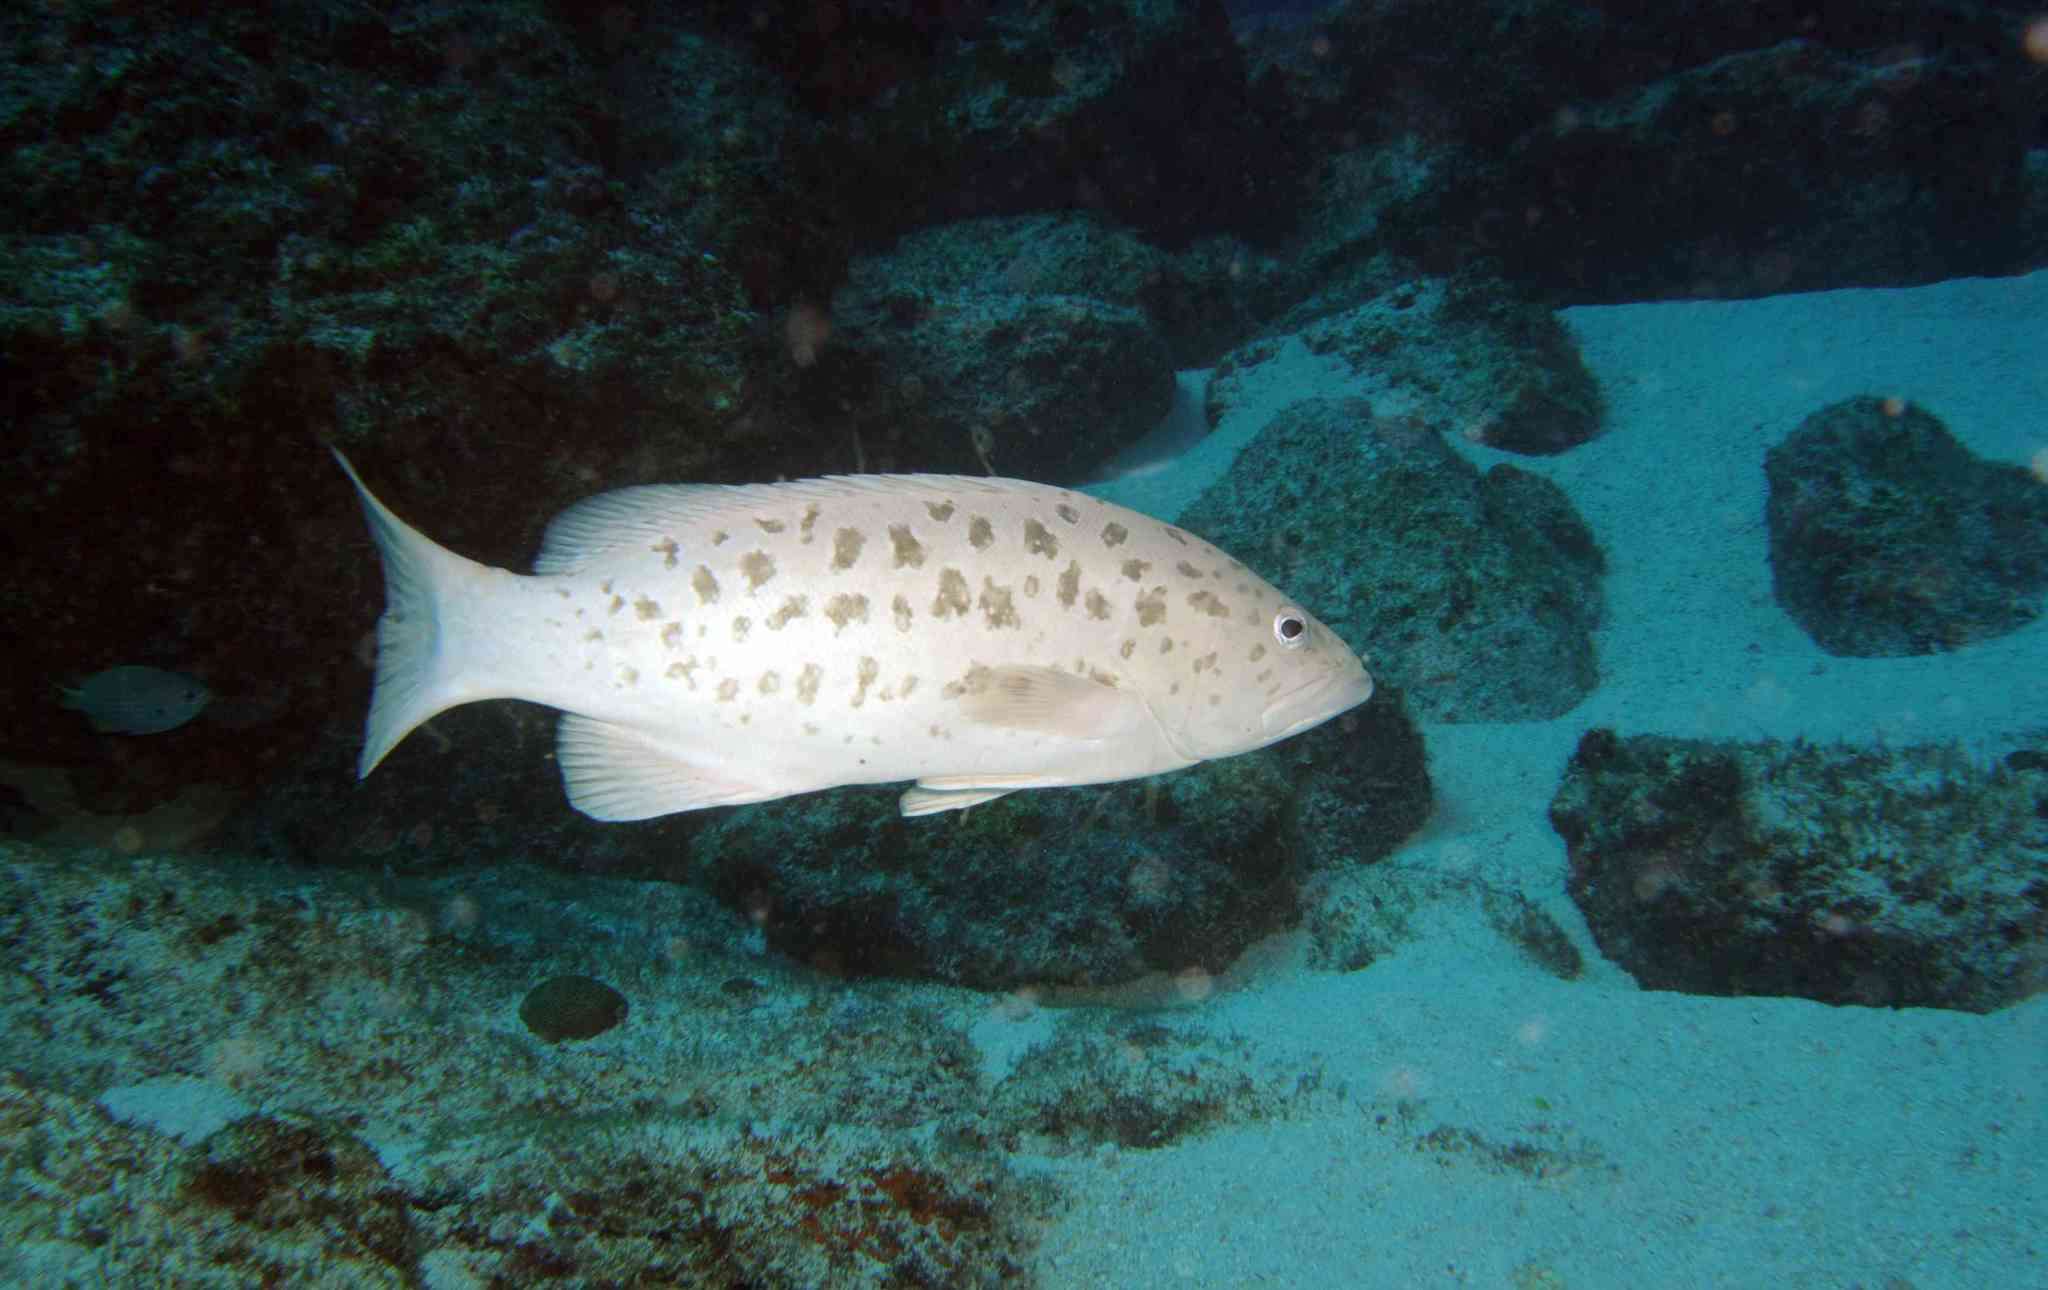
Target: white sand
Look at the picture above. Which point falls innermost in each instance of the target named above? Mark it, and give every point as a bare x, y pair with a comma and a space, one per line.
1710, 1142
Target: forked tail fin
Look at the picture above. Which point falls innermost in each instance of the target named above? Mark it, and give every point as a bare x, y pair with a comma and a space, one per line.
416, 675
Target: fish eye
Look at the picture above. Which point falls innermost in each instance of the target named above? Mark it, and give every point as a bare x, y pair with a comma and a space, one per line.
1290, 628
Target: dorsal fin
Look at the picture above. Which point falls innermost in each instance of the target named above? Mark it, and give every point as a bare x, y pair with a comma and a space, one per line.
639, 516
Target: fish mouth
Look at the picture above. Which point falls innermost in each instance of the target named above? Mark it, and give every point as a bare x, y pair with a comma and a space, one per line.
1316, 702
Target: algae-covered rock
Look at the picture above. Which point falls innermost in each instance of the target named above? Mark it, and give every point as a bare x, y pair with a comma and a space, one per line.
1890, 537
1910, 877
1475, 594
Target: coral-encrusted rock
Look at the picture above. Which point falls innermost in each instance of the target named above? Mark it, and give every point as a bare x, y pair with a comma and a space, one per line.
1093, 886
1737, 149
960, 353
1855, 152
1909, 877
1476, 594
443, 239
1469, 354
1141, 111
1888, 537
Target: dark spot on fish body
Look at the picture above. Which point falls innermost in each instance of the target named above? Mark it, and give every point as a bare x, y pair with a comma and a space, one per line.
976, 681
939, 511
845, 609
791, 608
757, 567
980, 532
909, 552
846, 545
1135, 569
1067, 513
1038, 540
1114, 534
1151, 607
999, 605
953, 600
1208, 603
1070, 584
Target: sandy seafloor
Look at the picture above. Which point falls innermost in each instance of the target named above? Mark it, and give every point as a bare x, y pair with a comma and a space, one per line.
1722, 1142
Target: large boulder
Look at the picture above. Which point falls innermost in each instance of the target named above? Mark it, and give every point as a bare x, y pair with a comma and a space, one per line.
1018, 347
1474, 593
1469, 354
1912, 877
1072, 889
1887, 536
1617, 152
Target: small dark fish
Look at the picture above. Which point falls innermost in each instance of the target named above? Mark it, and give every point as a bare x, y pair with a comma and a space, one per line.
135, 700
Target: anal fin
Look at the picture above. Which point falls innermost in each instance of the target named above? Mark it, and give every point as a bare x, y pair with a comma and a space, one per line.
613, 773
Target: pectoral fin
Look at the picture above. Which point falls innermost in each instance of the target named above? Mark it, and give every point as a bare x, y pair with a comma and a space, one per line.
1045, 700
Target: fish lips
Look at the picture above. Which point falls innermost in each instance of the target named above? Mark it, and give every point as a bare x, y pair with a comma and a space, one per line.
1312, 704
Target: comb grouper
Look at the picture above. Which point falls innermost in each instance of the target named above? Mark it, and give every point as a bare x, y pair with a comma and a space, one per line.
710, 645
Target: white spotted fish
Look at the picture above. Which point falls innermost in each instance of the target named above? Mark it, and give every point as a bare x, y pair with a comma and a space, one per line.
135, 700
712, 645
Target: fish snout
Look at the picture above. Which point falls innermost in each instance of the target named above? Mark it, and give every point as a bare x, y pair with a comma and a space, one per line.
1335, 691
